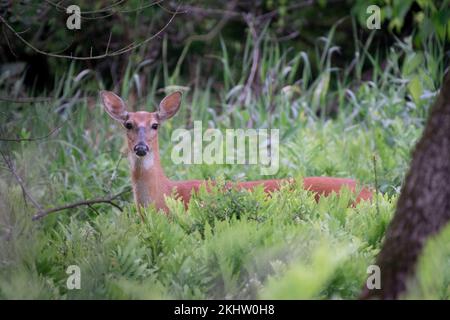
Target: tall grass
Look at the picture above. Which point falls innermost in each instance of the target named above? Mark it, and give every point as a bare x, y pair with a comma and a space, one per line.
227, 245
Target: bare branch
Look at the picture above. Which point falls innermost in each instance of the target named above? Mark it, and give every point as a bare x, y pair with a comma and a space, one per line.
40, 211
105, 9
8, 43
241, 15
51, 132
255, 55
209, 11
217, 28
125, 49
109, 200
108, 10
12, 168
27, 99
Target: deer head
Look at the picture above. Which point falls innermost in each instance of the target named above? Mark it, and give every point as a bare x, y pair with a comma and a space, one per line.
141, 127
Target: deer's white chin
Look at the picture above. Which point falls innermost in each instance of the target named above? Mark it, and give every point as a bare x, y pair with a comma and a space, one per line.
145, 162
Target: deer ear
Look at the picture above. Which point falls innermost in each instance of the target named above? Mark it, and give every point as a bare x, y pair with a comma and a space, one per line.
114, 105
169, 106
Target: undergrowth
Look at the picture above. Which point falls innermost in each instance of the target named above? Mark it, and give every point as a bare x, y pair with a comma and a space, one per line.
233, 244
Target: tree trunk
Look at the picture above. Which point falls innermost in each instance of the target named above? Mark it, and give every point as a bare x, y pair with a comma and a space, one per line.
423, 208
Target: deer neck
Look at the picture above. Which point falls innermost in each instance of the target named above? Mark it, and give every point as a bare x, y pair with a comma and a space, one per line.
148, 178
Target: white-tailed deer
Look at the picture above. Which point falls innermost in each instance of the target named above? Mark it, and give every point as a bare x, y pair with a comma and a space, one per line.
150, 184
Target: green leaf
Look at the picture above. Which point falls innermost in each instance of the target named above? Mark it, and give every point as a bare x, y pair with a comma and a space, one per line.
412, 63
415, 89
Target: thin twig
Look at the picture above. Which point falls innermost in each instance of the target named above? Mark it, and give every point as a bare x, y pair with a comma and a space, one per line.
246, 91
255, 55
376, 183
240, 15
216, 29
121, 51
12, 168
109, 10
105, 9
8, 43
109, 200
40, 211
51, 132
93, 209
209, 11
27, 99
114, 173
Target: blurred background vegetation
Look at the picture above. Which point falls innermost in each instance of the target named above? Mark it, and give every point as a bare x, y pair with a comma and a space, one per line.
349, 102
195, 37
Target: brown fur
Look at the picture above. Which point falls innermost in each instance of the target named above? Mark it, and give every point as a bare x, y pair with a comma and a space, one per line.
150, 184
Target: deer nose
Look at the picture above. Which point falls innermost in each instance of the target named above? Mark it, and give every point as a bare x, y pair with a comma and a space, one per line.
140, 150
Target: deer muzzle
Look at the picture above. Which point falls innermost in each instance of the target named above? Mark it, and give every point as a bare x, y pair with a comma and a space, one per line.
141, 149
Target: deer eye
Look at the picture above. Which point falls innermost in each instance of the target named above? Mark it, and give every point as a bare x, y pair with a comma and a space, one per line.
155, 126
128, 125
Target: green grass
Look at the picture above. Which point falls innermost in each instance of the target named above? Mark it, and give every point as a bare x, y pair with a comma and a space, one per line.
233, 244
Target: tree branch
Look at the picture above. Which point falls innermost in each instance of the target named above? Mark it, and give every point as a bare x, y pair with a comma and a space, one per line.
101, 10
12, 168
27, 99
118, 52
110, 200
40, 211
108, 10
35, 139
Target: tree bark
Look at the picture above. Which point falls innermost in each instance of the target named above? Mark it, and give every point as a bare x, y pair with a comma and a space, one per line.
423, 208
